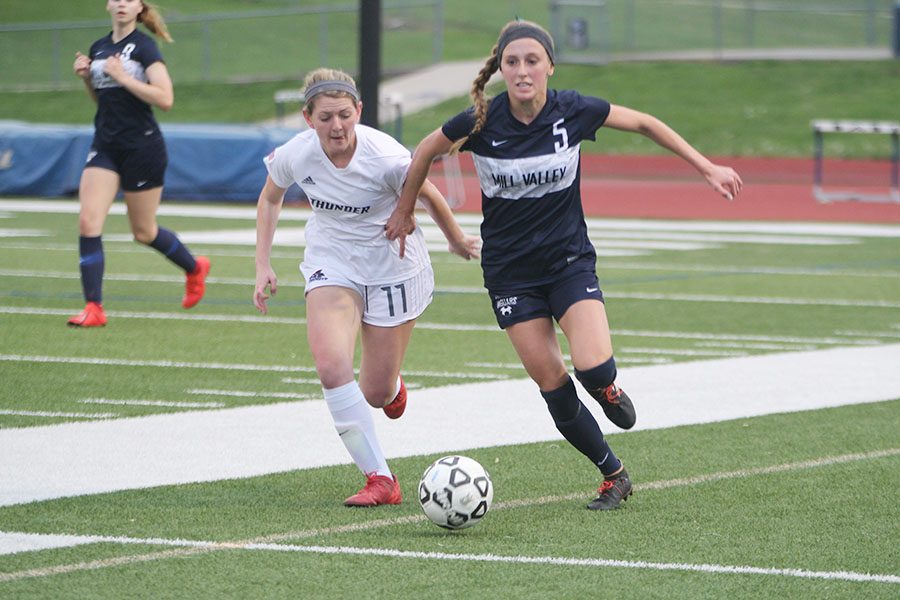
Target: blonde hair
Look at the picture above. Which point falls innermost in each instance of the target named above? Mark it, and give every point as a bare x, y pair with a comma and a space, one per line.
480, 102
326, 74
152, 20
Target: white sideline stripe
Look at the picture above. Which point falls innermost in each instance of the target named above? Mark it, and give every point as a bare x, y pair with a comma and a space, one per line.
244, 394
601, 235
253, 318
248, 318
757, 346
121, 362
17, 542
628, 361
742, 337
872, 334
53, 415
8, 233
582, 562
442, 289
822, 272
133, 248
753, 300
302, 380
74, 459
219, 211
679, 352
153, 403
605, 267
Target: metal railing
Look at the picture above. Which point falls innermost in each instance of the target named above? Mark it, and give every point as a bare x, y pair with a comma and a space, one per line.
599, 31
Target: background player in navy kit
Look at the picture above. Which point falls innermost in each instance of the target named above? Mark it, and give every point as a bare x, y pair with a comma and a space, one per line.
537, 260
125, 75
357, 286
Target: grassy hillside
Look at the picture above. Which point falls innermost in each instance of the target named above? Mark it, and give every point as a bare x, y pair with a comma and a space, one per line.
754, 108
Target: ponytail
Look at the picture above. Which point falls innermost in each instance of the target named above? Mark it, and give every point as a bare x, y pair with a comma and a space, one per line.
152, 20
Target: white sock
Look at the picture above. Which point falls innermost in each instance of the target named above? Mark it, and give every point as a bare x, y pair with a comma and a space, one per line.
353, 421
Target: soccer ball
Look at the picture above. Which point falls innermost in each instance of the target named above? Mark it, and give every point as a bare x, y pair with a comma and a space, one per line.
455, 492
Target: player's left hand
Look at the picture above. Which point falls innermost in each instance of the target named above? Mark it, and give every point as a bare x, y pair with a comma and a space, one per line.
113, 67
725, 180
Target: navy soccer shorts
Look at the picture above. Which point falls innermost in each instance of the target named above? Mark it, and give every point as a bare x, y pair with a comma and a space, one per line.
577, 282
139, 169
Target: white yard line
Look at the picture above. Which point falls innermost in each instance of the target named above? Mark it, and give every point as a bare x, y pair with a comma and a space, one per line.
162, 403
169, 364
57, 415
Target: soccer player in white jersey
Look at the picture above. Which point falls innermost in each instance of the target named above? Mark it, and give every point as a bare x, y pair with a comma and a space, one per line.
125, 75
356, 280
538, 262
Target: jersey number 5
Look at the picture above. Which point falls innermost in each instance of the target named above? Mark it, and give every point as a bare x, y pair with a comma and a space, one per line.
559, 130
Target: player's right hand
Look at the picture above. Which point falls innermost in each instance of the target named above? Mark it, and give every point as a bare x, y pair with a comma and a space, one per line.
400, 224
82, 65
264, 279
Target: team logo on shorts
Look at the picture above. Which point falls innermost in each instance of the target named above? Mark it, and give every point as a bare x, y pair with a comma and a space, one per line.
317, 276
505, 305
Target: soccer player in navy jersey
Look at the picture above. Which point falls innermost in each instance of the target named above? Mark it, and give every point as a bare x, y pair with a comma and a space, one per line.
125, 75
538, 262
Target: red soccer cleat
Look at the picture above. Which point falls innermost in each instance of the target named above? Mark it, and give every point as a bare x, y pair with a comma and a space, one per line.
91, 316
195, 284
394, 409
378, 490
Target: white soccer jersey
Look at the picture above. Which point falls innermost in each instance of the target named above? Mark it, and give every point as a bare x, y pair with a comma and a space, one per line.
351, 205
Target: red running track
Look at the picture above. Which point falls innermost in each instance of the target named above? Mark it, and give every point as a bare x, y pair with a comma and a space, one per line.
665, 187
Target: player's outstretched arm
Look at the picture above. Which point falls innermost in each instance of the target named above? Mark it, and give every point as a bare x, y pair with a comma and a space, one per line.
724, 180
268, 209
402, 221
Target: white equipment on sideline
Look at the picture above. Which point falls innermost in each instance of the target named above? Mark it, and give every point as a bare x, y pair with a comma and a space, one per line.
890, 128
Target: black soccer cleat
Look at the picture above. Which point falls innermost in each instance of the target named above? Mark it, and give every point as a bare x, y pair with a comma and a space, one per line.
612, 492
616, 406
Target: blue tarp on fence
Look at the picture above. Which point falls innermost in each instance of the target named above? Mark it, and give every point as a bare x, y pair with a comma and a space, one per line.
206, 162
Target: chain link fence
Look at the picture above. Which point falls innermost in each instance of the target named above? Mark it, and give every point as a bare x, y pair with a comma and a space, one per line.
260, 45
598, 31
285, 43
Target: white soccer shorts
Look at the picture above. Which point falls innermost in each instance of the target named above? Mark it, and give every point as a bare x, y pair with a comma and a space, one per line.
384, 304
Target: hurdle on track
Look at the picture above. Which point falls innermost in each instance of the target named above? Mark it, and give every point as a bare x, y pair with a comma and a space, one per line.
890, 128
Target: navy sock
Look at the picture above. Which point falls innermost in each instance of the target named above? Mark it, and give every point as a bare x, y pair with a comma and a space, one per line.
91, 262
579, 427
169, 244
596, 379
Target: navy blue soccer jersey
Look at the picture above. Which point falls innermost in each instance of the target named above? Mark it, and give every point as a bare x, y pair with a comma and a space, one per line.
530, 179
123, 120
